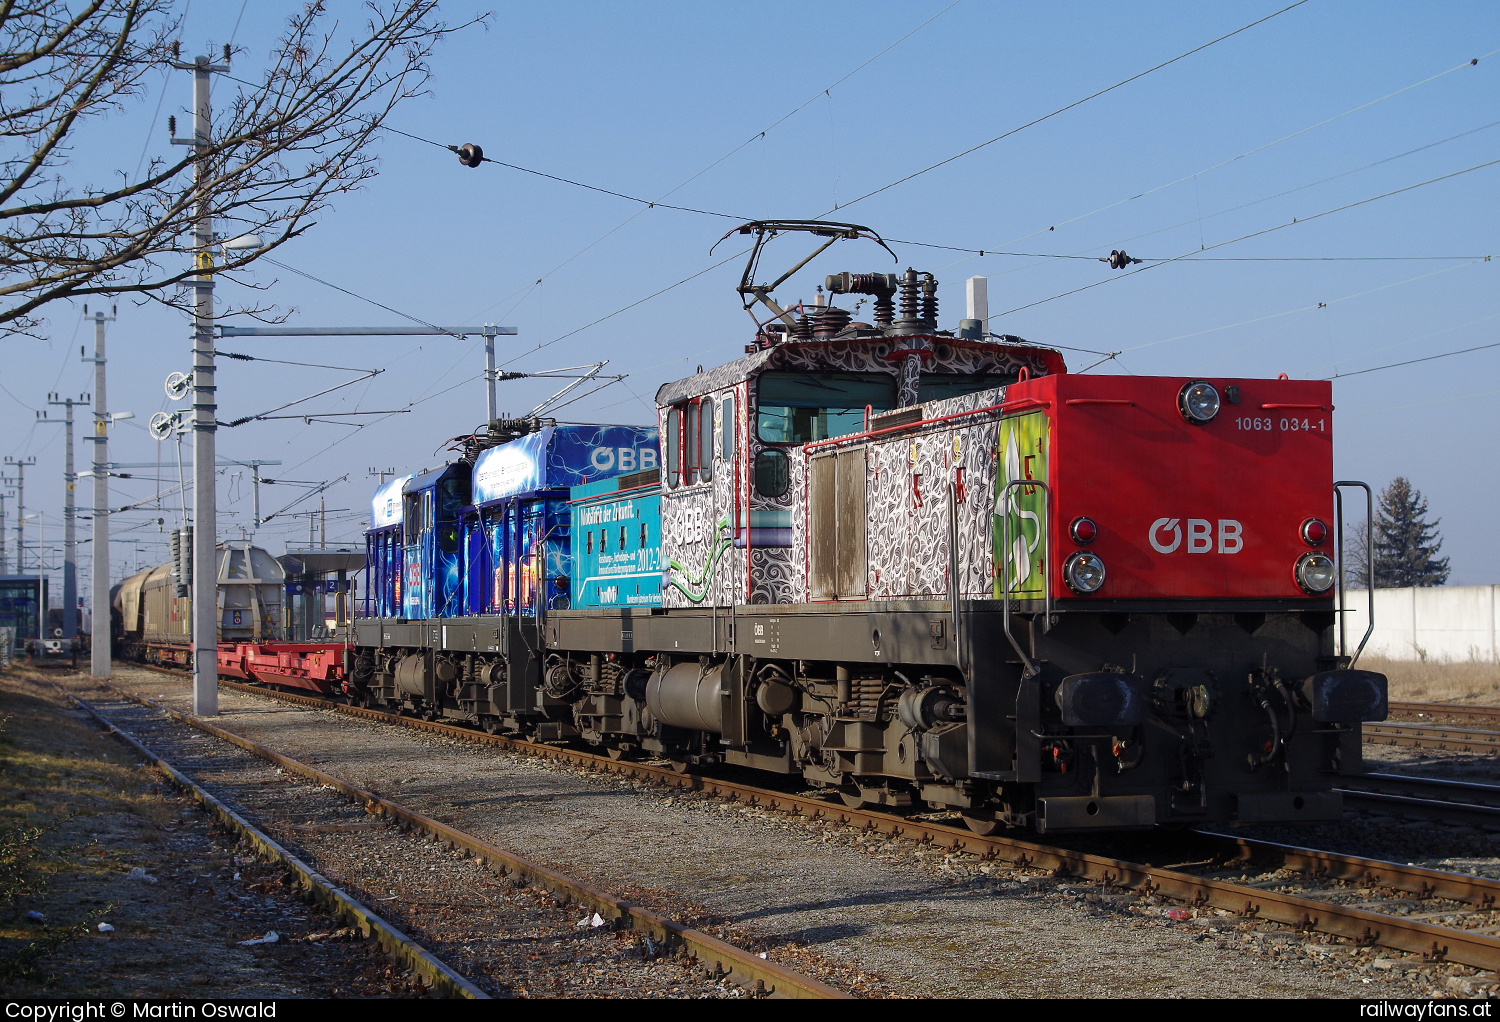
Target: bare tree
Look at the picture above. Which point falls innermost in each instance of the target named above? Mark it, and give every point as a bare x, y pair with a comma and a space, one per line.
284, 146
1356, 560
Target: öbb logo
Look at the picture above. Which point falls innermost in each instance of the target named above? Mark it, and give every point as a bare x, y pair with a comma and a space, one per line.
623, 459
1166, 535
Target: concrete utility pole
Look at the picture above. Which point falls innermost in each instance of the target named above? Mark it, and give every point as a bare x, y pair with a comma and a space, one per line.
19, 464
70, 546
256, 480
490, 330
205, 598
99, 579
381, 472
3, 566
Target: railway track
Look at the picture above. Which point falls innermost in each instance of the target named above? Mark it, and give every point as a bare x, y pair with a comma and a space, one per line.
437, 975
1453, 711
1426, 736
756, 974
1426, 798
1434, 728
1440, 915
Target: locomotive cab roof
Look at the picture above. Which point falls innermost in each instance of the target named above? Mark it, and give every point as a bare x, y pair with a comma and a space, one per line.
823, 338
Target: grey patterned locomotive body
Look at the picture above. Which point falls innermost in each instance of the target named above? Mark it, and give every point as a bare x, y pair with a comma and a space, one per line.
922, 568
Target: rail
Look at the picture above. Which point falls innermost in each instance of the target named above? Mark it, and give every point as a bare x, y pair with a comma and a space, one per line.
1425, 798
1424, 736
1447, 710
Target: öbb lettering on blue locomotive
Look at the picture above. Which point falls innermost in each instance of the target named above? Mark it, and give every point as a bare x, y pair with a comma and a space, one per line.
559, 457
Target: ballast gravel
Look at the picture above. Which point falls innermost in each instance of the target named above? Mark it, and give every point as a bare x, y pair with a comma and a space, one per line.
899, 918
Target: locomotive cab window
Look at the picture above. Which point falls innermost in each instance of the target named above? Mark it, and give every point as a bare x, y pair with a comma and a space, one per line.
690, 447
706, 440
796, 408
937, 386
689, 443
411, 514
450, 500
670, 441
728, 427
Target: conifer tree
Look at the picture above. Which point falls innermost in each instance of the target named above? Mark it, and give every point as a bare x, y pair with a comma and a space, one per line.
1406, 544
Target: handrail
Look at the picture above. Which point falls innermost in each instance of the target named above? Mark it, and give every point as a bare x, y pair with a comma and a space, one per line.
955, 586
1031, 667
1338, 500
1025, 402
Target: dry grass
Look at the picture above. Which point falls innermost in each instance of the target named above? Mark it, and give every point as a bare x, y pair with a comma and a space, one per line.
1473, 682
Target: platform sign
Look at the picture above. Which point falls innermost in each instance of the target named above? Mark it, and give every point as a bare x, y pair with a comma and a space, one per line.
1021, 510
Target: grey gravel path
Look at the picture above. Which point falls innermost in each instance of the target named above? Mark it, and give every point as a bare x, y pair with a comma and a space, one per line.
928, 922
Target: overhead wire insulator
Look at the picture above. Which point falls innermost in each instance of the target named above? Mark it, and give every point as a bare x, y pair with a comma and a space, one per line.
1118, 260
470, 155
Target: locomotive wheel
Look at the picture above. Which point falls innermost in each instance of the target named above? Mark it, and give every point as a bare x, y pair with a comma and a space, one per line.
491, 726
852, 799
679, 766
614, 752
981, 821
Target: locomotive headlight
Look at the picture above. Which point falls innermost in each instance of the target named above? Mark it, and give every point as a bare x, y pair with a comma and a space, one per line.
1083, 572
1198, 402
1314, 572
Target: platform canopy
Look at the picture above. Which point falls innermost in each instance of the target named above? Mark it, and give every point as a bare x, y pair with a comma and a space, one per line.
321, 560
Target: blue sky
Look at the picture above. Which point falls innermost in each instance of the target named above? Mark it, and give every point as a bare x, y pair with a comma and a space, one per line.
648, 98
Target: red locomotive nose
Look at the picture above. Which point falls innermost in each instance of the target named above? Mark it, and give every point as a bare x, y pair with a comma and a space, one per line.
1314, 532
1083, 530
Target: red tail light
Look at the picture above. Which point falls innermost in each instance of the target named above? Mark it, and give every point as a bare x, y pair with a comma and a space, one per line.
1314, 532
1083, 531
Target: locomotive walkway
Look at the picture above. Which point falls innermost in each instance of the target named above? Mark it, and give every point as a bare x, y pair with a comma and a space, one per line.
1435, 914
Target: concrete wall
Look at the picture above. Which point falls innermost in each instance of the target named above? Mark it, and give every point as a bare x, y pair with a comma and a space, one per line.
1442, 623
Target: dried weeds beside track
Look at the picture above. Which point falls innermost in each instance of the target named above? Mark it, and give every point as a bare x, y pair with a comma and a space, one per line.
103, 816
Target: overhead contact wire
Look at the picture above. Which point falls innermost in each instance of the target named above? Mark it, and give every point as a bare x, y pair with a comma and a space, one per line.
1255, 234
1261, 148
1070, 106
